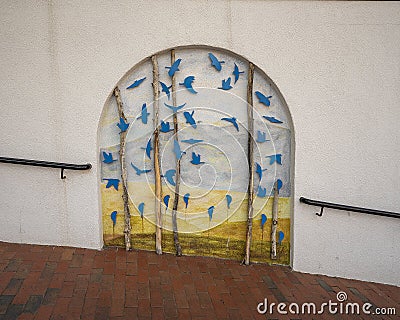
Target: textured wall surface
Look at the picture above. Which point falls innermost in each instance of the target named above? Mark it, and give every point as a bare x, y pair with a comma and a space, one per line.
336, 63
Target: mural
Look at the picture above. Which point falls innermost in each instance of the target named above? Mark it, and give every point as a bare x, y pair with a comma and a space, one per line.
176, 168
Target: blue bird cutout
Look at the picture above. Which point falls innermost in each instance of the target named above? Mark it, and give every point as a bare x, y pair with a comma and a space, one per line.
262, 192
166, 200
236, 72
233, 121
196, 158
187, 82
263, 99
189, 119
141, 209
122, 125
166, 90
261, 136
263, 220
175, 108
112, 183
177, 150
281, 236
136, 83
169, 176
215, 62
275, 158
228, 200
165, 127
259, 170
272, 119
139, 171
144, 114
174, 68
192, 141
186, 199
108, 157
210, 212
279, 184
148, 148
114, 218
226, 84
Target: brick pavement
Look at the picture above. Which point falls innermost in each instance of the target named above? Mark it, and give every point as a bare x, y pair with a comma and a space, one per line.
47, 282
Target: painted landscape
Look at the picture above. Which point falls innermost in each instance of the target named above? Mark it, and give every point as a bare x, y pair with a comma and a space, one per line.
226, 240
191, 108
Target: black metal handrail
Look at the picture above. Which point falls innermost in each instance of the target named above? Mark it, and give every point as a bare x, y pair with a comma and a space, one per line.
49, 164
337, 206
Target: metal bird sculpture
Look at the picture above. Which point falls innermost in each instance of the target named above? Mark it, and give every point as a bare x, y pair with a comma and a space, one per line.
108, 157
169, 176
165, 127
112, 183
122, 125
236, 72
192, 141
136, 83
275, 158
175, 108
226, 84
272, 119
189, 119
281, 236
177, 150
196, 159
233, 121
144, 115
263, 220
166, 200
259, 170
228, 200
166, 90
262, 192
174, 68
187, 82
141, 209
261, 136
215, 62
210, 212
148, 148
139, 171
186, 199
263, 99
114, 218
279, 184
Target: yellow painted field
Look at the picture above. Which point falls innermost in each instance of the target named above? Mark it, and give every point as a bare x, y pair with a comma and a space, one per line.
225, 238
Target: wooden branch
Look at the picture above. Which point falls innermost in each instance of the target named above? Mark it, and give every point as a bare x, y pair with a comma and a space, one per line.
178, 248
250, 145
124, 173
157, 169
274, 224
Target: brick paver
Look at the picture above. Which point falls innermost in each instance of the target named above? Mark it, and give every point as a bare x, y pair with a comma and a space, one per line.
45, 282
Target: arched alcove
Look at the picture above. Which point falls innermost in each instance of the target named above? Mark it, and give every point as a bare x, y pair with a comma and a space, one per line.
207, 91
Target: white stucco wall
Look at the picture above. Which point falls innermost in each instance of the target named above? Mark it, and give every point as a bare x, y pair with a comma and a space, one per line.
336, 63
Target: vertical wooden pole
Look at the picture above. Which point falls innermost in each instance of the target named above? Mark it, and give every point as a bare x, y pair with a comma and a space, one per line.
157, 173
274, 224
178, 248
250, 189
124, 173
